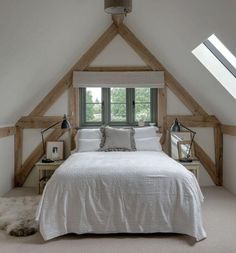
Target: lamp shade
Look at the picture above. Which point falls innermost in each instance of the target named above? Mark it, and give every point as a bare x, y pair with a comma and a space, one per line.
118, 6
65, 123
176, 126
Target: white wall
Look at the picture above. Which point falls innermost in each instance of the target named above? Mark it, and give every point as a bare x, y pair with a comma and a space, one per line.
6, 164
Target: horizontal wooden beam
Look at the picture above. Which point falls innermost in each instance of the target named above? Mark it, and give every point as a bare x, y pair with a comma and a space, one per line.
84, 61
39, 121
118, 68
152, 62
7, 131
229, 130
34, 157
207, 162
193, 121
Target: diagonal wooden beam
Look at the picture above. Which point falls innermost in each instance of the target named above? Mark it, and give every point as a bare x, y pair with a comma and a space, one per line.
84, 61
207, 163
151, 61
38, 121
34, 157
118, 18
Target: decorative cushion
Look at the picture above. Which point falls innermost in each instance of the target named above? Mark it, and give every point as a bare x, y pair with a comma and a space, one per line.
114, 139
148, 144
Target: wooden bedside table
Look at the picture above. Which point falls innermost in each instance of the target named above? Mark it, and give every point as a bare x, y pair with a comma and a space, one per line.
45, 171
193, 166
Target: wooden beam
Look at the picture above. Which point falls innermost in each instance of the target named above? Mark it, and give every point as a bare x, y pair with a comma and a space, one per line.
18, 150
229, 130
7, 131
162, 113
193, 121
39, 121
34, 157
118, 68
73, 106
207, 163
118, 19
151, 61
218, 137
84, 61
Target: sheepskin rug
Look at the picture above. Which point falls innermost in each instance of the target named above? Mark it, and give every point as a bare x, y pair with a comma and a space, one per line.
17, 215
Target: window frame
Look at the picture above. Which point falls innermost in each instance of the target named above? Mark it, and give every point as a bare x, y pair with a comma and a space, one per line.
106, 108
220, 57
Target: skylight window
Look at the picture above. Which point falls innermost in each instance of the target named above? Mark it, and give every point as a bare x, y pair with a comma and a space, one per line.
213, 54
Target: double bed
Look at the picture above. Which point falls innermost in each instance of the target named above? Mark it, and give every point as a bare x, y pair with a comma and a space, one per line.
121, 192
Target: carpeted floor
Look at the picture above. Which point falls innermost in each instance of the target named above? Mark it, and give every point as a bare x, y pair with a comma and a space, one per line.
219, 212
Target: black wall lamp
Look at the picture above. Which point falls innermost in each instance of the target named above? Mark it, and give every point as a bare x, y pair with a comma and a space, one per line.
176, 127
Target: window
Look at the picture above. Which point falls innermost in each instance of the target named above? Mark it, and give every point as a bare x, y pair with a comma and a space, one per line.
93, 105
143, 104
117, 106
213, 54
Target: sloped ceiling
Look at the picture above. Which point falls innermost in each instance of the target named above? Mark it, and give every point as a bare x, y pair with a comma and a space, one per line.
41, 40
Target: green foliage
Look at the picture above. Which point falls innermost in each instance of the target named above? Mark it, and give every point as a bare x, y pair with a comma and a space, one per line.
118, 104
142, 104
118, 107
93, 110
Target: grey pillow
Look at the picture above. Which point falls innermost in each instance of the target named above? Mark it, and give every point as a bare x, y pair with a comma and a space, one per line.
117, 139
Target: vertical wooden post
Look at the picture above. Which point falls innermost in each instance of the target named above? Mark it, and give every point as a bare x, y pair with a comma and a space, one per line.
73, 105
18, 152
162, 116
218, 137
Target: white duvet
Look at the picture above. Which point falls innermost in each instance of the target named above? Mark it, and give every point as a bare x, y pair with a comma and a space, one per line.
121, 192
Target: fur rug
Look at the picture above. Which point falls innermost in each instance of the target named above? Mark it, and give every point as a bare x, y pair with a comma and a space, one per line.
17, 215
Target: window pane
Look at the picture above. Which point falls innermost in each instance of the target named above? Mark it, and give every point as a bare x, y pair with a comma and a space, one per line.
143, 112
93, 95
142, 95
118, 95
93, 105
118, 112
223, 49
93, 112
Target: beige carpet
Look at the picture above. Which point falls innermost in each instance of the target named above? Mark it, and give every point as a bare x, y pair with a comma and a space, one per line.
219, 212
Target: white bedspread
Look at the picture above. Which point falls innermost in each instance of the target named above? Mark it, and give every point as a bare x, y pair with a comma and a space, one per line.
121, 192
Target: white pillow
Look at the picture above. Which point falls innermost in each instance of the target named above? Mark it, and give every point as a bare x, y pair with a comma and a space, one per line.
86, 134
89, 134
145, 132
88, 145
148, 144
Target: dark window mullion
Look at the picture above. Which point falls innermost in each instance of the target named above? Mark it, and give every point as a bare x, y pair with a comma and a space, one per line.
220, 57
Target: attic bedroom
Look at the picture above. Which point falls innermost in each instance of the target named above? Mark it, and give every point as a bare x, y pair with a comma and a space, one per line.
117, 126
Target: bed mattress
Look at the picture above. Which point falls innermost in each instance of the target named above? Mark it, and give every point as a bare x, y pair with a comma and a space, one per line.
121, 192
